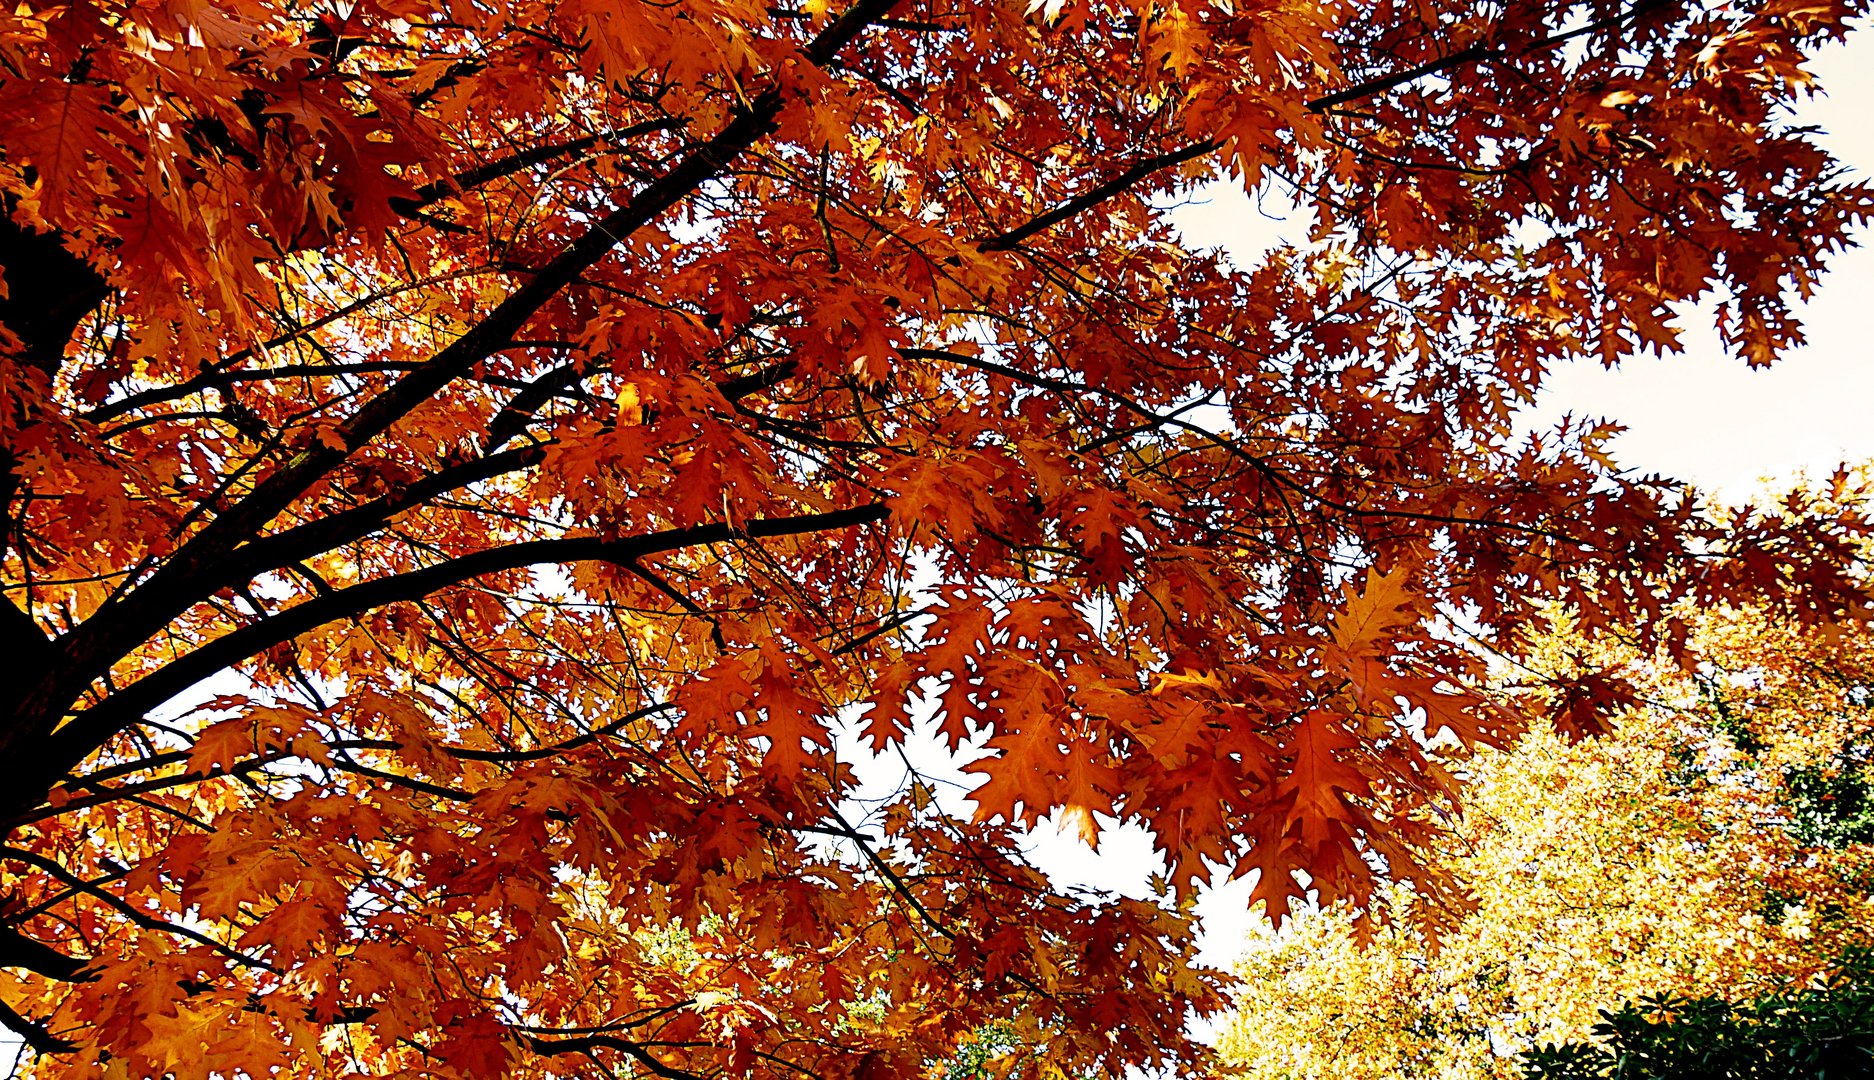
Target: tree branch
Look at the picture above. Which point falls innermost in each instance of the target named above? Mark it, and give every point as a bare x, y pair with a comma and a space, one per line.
585, 1044
119, 625
124, 908
103, 793
1090, 199
323, 534
1381, 85
470, 179
19, 951
1480, 51
92, 727
514, 416
33, 1033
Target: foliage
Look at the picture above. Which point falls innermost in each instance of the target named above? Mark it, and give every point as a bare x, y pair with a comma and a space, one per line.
1831, 804
973, 1057
1660, 863
1814, 1033
466, 463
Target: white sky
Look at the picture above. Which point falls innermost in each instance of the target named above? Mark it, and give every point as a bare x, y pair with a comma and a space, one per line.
1699, 416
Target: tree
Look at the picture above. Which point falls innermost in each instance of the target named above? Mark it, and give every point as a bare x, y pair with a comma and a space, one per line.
1815, 1033
1673, 894
532, 428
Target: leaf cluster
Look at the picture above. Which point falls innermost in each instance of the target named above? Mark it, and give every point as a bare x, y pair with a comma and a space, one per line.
1813, 1033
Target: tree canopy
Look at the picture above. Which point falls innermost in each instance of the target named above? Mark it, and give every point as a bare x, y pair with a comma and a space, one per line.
1690, 896
465, 459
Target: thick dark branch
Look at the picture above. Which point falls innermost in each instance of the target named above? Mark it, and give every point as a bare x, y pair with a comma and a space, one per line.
511, 757
1381, 85
636, 1020
127, 910
25, 644
33, 1033
119, 626
323, 534
513, 417
915, 26
19, 951
102, 793
48, 292
92, 727
97, 778
585, 1044
756, 381
224, 378
1080, 204
157, 395
344, 763
574, 743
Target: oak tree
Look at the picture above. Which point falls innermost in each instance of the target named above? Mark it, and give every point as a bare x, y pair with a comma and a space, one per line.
464, 460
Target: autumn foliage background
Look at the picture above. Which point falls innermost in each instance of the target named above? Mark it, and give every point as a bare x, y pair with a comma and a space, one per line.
536, 428
1718, 843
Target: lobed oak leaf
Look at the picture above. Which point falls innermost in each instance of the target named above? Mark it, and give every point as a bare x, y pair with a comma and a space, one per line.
221, 745
887, 719
474, 1041
188, 1043
789, 719
1191, 814
1026, 770
1319, 781
1086, 789
1274, 863
1173, 721
411, 728
1103, 519
294, 931
1584, 705
1383, 604
258, 730
714, 698
945, 496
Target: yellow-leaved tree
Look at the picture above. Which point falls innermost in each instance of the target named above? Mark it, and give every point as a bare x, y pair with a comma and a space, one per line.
1719, 841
